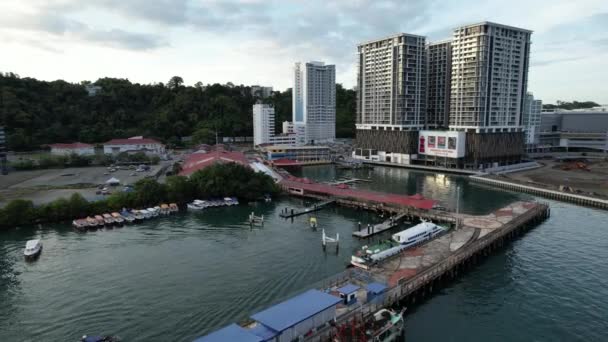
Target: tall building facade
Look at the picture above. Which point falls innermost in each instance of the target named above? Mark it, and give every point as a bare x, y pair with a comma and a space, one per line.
3, 167
439, 76
391, 96
531, 119
489, 77
489, 83
314, 100
263, 123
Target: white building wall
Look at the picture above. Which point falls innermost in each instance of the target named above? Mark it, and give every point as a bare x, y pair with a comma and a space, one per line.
85, 151
155, 148
531, 118
263, 123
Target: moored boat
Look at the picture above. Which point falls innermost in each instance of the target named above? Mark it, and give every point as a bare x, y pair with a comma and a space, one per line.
33, 248
164, 209
108, 338
129, 218
173, 207
138, 215
197, 205
118, 218
93, 223
366, 256
107, 218
385, 326
100, 221
80, 224
147, 214
153, 212
418, 234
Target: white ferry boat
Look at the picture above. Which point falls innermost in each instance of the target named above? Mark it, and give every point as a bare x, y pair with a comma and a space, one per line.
419, 233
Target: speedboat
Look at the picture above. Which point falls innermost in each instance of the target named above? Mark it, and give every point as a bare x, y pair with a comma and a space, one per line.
153, 212
118, 218
93, 222
369, 255
129, 218
164, 209
80, 225
32, 249
108, 219
147, 214
197, 205
139, 216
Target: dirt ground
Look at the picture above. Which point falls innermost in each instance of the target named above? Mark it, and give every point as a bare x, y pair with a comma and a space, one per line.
43, 186
593, 182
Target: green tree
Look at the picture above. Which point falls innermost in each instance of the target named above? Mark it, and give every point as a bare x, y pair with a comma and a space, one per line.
175, 82
18, 212
149, 192
179, 190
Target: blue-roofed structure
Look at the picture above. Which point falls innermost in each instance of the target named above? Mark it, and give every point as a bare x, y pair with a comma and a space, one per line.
298, 315
232, 332
375, 292
348, 288
348, 293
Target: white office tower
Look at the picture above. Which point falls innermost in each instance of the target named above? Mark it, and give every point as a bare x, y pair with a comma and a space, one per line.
531, 119
489, 77
263, 123
298, 130
314, 100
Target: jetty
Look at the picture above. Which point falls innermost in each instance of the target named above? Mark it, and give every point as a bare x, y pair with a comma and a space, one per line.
414, 274
349, 181
291, 212
371, 230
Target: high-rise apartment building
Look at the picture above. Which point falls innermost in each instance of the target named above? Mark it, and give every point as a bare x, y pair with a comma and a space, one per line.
391, 96
489, 77
531, 118
263, 123
314, 100
489, 83
439, 76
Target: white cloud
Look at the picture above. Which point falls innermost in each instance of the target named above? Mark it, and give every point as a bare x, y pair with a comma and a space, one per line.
254, 41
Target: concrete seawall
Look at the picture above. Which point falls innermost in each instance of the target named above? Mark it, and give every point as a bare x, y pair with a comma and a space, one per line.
552, 194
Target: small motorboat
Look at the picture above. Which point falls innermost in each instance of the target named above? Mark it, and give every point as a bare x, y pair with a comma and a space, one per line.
197, 205
100, 221
32, 249
173, 207
153, 212
139, 216
147, 214
93, 223
129, 218
164, 209
118, 219
80, 225
108, 219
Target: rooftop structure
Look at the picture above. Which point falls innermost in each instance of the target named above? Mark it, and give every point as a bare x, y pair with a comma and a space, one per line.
232, 332
203, 158
312, 308
302, 186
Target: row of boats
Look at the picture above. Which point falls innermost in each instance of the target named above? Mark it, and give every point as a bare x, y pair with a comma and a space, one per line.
212, 203
124, 217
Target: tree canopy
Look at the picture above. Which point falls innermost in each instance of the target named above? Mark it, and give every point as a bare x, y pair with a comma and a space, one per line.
36, 113
571, 105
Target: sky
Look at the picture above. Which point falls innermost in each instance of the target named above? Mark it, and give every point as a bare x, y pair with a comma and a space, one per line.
257, 42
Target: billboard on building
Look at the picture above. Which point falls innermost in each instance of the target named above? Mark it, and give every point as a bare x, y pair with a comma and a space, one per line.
442, 143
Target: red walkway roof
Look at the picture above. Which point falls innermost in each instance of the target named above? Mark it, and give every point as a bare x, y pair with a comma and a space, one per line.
416, 201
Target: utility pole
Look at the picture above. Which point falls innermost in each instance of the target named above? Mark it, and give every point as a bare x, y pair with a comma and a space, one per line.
457, 206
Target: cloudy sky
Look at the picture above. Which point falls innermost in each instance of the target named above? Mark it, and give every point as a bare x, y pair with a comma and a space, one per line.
257, 42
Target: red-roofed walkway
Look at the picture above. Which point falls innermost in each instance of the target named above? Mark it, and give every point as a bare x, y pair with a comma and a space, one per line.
306, 186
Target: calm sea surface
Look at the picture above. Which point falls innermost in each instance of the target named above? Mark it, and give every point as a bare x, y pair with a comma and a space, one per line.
176, 278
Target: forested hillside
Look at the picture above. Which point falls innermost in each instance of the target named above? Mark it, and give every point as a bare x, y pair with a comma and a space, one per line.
36, 112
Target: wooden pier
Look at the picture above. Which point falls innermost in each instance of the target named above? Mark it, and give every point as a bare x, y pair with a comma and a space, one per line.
291, 212
371, 230
416, 273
